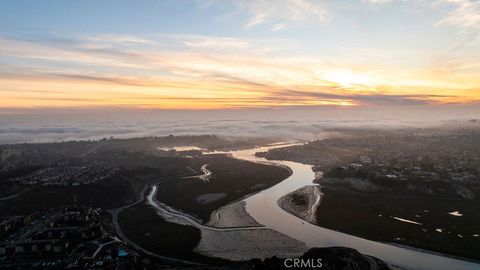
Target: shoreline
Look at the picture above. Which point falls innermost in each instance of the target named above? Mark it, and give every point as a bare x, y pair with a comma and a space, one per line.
232, 215
304, 211
274, 217
233, 243
253, 244
287, 206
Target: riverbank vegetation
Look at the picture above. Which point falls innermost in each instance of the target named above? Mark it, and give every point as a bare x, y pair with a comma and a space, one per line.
415, 187
232, 180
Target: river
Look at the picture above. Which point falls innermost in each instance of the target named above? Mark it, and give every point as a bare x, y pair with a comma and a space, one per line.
263, 207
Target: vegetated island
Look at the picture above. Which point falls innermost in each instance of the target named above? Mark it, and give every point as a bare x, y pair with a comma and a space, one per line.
412, 187
113, 176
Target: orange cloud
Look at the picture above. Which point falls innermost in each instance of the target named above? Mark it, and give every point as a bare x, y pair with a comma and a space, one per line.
94, 72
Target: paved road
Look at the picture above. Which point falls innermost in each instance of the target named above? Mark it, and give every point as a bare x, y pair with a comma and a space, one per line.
116, 211
169, 211
14, 195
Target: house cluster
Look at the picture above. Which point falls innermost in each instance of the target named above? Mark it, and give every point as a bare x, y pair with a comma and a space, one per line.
53, 232
66, 175
10, 224
402, 166
70, 237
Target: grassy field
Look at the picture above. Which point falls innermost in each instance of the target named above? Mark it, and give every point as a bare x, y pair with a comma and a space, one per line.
371, 217
232, 180
143, 226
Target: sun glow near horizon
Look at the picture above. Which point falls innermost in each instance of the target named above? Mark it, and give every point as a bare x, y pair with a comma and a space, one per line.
257, 58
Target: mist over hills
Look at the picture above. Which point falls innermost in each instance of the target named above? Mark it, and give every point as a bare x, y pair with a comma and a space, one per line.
20, 126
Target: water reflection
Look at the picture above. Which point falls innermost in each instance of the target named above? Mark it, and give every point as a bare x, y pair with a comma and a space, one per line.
263, 207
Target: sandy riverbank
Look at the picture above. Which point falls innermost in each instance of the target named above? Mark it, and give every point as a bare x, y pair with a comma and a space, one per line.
246, 245
233, 215
228, 235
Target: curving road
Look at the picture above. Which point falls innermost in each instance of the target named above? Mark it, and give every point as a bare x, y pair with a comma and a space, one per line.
166, 210
116, 211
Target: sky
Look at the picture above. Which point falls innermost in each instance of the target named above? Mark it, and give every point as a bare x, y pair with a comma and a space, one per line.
237, 54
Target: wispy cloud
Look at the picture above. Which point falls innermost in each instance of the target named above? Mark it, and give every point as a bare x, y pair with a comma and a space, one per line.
279, 26
465, 14
216, 43
460, 13
280, 14
185, 71
378, 2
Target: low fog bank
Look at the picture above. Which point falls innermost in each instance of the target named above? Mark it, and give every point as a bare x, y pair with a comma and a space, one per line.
17, 126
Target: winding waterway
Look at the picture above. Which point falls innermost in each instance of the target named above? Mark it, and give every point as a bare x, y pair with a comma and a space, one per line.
263, 207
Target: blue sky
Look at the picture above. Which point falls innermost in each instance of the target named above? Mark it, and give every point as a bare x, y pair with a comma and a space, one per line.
226, 53
385, 23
